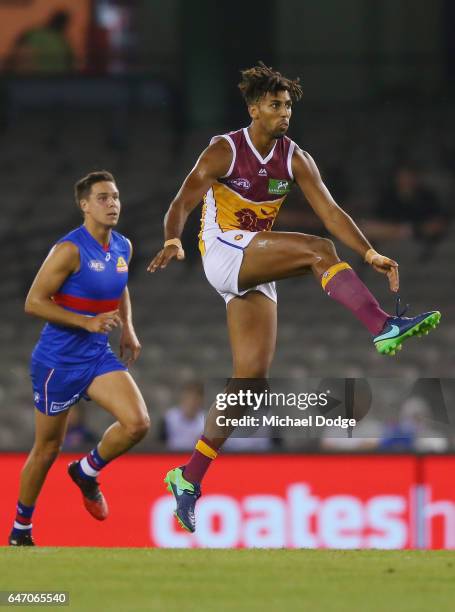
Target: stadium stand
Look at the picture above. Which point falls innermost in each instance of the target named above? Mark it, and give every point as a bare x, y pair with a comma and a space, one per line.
179, 318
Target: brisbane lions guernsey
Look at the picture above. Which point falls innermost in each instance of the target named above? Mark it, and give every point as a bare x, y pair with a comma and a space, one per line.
96, 287
249, 196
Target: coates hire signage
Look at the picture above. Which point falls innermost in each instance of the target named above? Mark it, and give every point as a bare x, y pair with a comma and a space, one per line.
295, 501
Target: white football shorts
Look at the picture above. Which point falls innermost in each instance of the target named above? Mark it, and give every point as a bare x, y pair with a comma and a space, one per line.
222, 260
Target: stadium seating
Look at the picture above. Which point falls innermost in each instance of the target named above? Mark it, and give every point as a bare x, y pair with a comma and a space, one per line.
179, 317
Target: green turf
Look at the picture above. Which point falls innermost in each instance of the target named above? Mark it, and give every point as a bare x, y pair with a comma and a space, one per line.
254, 580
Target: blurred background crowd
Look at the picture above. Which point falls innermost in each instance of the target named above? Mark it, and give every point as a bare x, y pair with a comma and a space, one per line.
139, 88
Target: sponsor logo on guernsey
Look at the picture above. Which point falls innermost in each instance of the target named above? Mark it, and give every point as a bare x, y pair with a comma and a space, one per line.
36, 397
96, 266
108, 257
262, 172
122, 266
279, 186
238, 237
241, 183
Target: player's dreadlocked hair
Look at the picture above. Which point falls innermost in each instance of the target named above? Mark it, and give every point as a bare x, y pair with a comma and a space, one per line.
258, 81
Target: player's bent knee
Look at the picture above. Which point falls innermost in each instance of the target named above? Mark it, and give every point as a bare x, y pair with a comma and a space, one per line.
311, 250
327, 249
46, 453
321, 246
136, 430
322, 251
326, 244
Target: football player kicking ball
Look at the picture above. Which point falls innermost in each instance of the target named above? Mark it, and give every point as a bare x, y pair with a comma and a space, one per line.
81, 291
244, 177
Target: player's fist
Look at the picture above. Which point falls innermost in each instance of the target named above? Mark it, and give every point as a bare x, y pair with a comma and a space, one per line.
164, 256
103, 323
384, 265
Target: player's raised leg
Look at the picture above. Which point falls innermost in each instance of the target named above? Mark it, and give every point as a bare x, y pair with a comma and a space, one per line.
274, 256
117, 393
252, 323
49, 435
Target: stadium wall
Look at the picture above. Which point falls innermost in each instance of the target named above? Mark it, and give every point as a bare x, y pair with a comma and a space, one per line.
272, 501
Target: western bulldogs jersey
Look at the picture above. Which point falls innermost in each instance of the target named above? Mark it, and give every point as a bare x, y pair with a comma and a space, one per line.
249, 196
96, 287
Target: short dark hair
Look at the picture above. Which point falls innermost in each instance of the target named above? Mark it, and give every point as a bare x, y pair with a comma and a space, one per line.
261, 79
83, 187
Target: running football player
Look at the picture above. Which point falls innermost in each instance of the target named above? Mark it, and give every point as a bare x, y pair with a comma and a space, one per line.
81, 292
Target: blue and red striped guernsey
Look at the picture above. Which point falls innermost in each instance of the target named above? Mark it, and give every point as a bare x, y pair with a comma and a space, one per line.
95, 288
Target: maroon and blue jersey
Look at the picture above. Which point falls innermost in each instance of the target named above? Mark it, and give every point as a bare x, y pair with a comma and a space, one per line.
95, 288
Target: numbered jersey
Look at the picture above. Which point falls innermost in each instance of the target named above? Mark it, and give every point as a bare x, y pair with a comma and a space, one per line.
249, 196
96, 287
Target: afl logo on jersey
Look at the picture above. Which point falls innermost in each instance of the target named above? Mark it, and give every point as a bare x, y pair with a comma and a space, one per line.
241, 183
122, 266
96, 266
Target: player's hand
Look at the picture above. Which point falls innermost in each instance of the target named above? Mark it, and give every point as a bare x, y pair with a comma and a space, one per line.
164, 256
103, 323
130, 347
385, 265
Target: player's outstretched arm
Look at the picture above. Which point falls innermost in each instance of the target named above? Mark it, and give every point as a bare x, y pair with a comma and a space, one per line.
62, 261
335, 219
213, 163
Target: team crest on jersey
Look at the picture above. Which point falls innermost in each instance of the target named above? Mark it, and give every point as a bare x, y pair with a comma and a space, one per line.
279, 186
122, 266
249, 221
96, 265
241, 183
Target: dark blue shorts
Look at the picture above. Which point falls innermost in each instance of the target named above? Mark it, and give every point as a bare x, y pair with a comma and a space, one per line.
55, 390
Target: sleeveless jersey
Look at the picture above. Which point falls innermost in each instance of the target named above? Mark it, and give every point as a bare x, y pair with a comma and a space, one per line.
249, 196
96, 287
